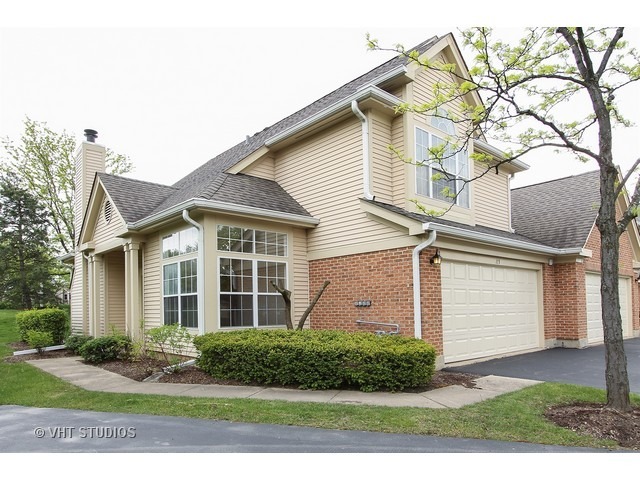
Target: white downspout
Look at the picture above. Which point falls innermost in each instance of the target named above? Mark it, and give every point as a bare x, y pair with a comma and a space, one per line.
200, 283
366, 160
90, 295
417, 304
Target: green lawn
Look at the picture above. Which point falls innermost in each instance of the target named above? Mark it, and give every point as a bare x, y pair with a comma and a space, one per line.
512, 417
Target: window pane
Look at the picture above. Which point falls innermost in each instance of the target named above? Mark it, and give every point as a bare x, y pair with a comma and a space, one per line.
271, 310
422, 181
463, 195
170, 310
189, 311
271, 272
170, 279
189, 276
236, 310
188, 241
170, 246
443, 189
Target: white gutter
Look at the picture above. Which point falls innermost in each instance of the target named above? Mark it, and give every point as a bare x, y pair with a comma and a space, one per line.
200, 282
505, 242
224, 207
369, 91
366, 160
417, 304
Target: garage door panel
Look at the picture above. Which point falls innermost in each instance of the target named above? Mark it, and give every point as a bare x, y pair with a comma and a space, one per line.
595, 332
497, 314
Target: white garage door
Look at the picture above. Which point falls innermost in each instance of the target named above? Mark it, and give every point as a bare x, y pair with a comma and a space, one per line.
595, 332
488, 310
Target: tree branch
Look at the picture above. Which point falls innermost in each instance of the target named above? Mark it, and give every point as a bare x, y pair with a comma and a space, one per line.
306, 313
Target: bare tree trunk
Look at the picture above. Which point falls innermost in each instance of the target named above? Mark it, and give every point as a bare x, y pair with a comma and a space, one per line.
286, 296
312, 304
616, 376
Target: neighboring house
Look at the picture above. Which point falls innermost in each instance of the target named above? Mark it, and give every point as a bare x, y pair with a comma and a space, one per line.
319, 196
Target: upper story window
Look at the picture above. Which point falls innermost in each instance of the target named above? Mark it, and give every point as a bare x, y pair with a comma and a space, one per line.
441, 168
248, 240
180, 243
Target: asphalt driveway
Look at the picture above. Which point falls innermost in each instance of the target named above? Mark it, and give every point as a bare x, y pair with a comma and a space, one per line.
566, 365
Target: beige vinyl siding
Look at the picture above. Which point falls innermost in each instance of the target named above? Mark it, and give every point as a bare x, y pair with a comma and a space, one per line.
324, 174
300, 273
424, 85
152, 282
115, 294
264, 168
382, 180
398, 166
106, 231
78, 311
491, 198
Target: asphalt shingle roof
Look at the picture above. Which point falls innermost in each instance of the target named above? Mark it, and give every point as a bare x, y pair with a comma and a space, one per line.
559, 213
476, 228
136, 200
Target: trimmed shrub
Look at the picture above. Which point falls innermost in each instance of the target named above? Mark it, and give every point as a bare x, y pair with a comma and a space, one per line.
39, 340
317, 359
74, 342
103, 349
52, 320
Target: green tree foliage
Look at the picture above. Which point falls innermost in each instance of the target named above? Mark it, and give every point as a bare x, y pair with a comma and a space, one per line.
28, 274
44, 161
554, 88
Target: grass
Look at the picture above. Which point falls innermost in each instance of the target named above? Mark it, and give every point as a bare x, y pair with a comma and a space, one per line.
515, 417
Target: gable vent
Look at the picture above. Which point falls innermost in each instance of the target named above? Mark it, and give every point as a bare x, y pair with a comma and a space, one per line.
108, 210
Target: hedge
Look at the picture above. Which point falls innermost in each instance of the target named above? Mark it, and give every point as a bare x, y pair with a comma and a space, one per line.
317, 359
52, 320
103, 349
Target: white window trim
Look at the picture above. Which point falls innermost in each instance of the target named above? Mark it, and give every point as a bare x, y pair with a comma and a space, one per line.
430, 172
254, 259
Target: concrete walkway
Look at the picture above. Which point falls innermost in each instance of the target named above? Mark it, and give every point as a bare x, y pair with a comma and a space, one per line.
73, 370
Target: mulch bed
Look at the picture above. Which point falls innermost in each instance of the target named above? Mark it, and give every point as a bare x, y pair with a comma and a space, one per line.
600, 422
590, 419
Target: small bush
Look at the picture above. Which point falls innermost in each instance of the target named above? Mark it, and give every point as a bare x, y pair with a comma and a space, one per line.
39, 340
52, 320
317, 359
103, 349
172, 341
74, 342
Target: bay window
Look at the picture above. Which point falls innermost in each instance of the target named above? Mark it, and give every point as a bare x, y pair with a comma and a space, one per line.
247, 298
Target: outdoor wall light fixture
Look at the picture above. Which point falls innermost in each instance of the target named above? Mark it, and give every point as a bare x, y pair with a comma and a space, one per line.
436, 259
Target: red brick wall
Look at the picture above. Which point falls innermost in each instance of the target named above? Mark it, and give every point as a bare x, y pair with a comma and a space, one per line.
386, 279
565, 302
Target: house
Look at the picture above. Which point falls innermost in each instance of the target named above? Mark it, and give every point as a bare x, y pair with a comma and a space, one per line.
319, 196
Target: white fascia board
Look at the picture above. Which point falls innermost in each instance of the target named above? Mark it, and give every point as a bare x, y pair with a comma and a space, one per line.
369, 91
499, 154
503, 242
225, 208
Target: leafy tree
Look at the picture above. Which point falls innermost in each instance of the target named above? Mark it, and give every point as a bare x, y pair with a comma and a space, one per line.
44, 161
533, 94
28, 273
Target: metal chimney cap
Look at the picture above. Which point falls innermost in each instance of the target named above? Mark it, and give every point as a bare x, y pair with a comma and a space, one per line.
91, 135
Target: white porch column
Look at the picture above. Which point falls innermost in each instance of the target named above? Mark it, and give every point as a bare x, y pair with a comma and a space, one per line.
90, 287
133, 309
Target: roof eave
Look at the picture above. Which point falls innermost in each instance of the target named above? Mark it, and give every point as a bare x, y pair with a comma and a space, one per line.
369, 91
504, 242
224, 207
518, 165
